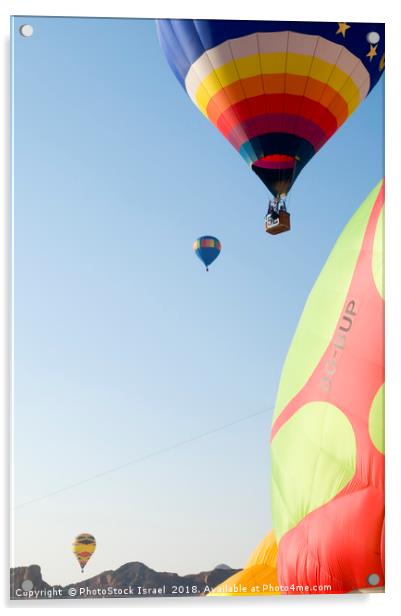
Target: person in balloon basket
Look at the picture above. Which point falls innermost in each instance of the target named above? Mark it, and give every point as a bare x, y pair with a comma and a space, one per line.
276, 206
273, 210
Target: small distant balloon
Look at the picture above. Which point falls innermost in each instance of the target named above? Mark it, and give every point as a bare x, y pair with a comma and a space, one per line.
207, 248
83, 547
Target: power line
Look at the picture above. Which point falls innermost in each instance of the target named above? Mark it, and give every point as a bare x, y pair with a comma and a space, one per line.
142, 458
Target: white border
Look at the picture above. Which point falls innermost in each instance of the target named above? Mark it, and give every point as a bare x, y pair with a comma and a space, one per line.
383, 10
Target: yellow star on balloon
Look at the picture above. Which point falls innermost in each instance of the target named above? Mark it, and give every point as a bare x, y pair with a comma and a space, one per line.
372, 52
342, 28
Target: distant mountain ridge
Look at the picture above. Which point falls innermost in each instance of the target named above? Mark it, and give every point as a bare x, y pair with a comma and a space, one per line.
134, 579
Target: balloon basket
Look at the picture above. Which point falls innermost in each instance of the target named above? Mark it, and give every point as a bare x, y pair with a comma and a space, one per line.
274, 226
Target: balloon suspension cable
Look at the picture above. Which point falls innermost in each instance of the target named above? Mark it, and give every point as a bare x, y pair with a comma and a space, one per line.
293, 176
287, 197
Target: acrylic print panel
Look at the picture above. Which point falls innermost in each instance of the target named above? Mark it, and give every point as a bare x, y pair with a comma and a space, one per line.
191, 433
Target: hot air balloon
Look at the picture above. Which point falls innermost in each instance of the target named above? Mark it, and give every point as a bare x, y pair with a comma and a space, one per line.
207, 248
276, 90
327, 439
83, 547
259, 576
327, 442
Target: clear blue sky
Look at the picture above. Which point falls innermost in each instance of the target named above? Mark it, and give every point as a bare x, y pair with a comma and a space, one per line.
123, 344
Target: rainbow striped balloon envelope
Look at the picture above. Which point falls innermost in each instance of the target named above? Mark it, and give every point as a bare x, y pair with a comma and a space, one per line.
207, 248
276, 90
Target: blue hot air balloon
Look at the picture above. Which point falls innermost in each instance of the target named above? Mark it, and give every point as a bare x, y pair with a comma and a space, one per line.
207, 248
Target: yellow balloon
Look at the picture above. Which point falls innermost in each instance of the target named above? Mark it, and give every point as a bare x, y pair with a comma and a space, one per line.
83, 547
259, 577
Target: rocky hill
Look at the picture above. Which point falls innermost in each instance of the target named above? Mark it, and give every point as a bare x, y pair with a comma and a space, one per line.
130, 580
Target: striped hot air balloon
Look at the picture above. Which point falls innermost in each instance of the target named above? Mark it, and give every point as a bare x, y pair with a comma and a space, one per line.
83, 547
207, 248
277, 91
